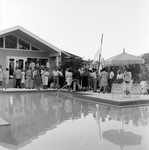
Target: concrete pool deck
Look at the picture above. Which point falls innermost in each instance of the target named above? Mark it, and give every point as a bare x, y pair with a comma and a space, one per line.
106, 98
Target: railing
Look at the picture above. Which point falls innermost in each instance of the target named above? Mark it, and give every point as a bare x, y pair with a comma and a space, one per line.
118, 91
66, 96
65, 86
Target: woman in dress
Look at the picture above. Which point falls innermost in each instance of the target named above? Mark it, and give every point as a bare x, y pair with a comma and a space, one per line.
104, 80
38, 78
23, 79
6, 78
46, 78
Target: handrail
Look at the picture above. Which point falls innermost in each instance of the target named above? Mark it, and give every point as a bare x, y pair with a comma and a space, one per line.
65, 86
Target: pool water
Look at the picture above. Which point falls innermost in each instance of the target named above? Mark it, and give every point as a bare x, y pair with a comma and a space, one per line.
43, 121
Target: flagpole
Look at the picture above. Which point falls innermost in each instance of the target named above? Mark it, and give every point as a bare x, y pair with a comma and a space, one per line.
100, 53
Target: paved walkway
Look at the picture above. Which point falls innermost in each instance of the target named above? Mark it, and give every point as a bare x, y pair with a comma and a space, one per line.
90, 95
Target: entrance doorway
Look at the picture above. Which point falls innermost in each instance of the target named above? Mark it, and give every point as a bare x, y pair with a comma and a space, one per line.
13, 62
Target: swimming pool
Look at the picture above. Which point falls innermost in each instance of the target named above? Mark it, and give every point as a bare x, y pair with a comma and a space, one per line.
43, 121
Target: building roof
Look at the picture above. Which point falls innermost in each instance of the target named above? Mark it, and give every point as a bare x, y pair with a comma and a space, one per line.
68, 55
31, 38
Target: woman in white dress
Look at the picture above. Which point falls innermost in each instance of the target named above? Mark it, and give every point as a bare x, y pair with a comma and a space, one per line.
69, 79
46, 78
6, 78
23, 79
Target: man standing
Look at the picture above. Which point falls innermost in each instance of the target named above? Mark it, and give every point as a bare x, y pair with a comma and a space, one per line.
76, 78
111, 80
18, 76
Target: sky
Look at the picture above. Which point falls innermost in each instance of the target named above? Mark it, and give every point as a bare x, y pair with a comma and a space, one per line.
76, 26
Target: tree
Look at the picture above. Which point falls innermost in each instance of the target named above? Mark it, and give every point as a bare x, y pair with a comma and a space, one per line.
73, 62
145, 67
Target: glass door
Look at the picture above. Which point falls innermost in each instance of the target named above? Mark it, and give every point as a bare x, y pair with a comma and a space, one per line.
13, 62
11, 66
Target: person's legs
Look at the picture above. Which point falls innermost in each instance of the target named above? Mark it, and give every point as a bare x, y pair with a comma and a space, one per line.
78, 85
27, 82
110, 85
57, 81
19, 82
100, 88
94, 85
74, 86
16, 83
54, 82
1, 85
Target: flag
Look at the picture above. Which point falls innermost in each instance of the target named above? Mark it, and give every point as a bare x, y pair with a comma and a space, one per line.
97, 56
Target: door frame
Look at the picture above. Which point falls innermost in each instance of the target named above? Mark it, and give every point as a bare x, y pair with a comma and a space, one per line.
15, 59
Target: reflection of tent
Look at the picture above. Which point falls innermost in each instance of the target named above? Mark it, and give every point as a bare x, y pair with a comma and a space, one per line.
122, 138
123, 59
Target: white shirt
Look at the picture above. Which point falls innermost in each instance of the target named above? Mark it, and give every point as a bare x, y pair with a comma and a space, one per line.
55, 73
111, 75
120, 76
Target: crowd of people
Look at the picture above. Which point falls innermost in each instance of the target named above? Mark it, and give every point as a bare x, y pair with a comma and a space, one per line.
90, 79
74, 79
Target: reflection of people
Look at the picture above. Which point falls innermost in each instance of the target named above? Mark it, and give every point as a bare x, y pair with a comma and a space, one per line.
68, 105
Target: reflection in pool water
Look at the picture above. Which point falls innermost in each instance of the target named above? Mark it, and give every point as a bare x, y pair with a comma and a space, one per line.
43, 121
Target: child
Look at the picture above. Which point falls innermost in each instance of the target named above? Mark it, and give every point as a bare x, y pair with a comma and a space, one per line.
23, 79
6, 78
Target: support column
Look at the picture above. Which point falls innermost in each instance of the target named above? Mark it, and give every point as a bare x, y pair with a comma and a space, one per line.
57, 61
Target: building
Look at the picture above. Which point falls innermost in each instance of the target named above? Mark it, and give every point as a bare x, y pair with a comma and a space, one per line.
19, 46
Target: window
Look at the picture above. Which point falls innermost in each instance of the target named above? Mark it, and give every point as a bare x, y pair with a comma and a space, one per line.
1, 42
43, 61
23, 45
11, 41
34, 48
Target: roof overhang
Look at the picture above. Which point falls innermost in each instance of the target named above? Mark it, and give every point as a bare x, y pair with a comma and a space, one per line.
65, 54
32, 39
